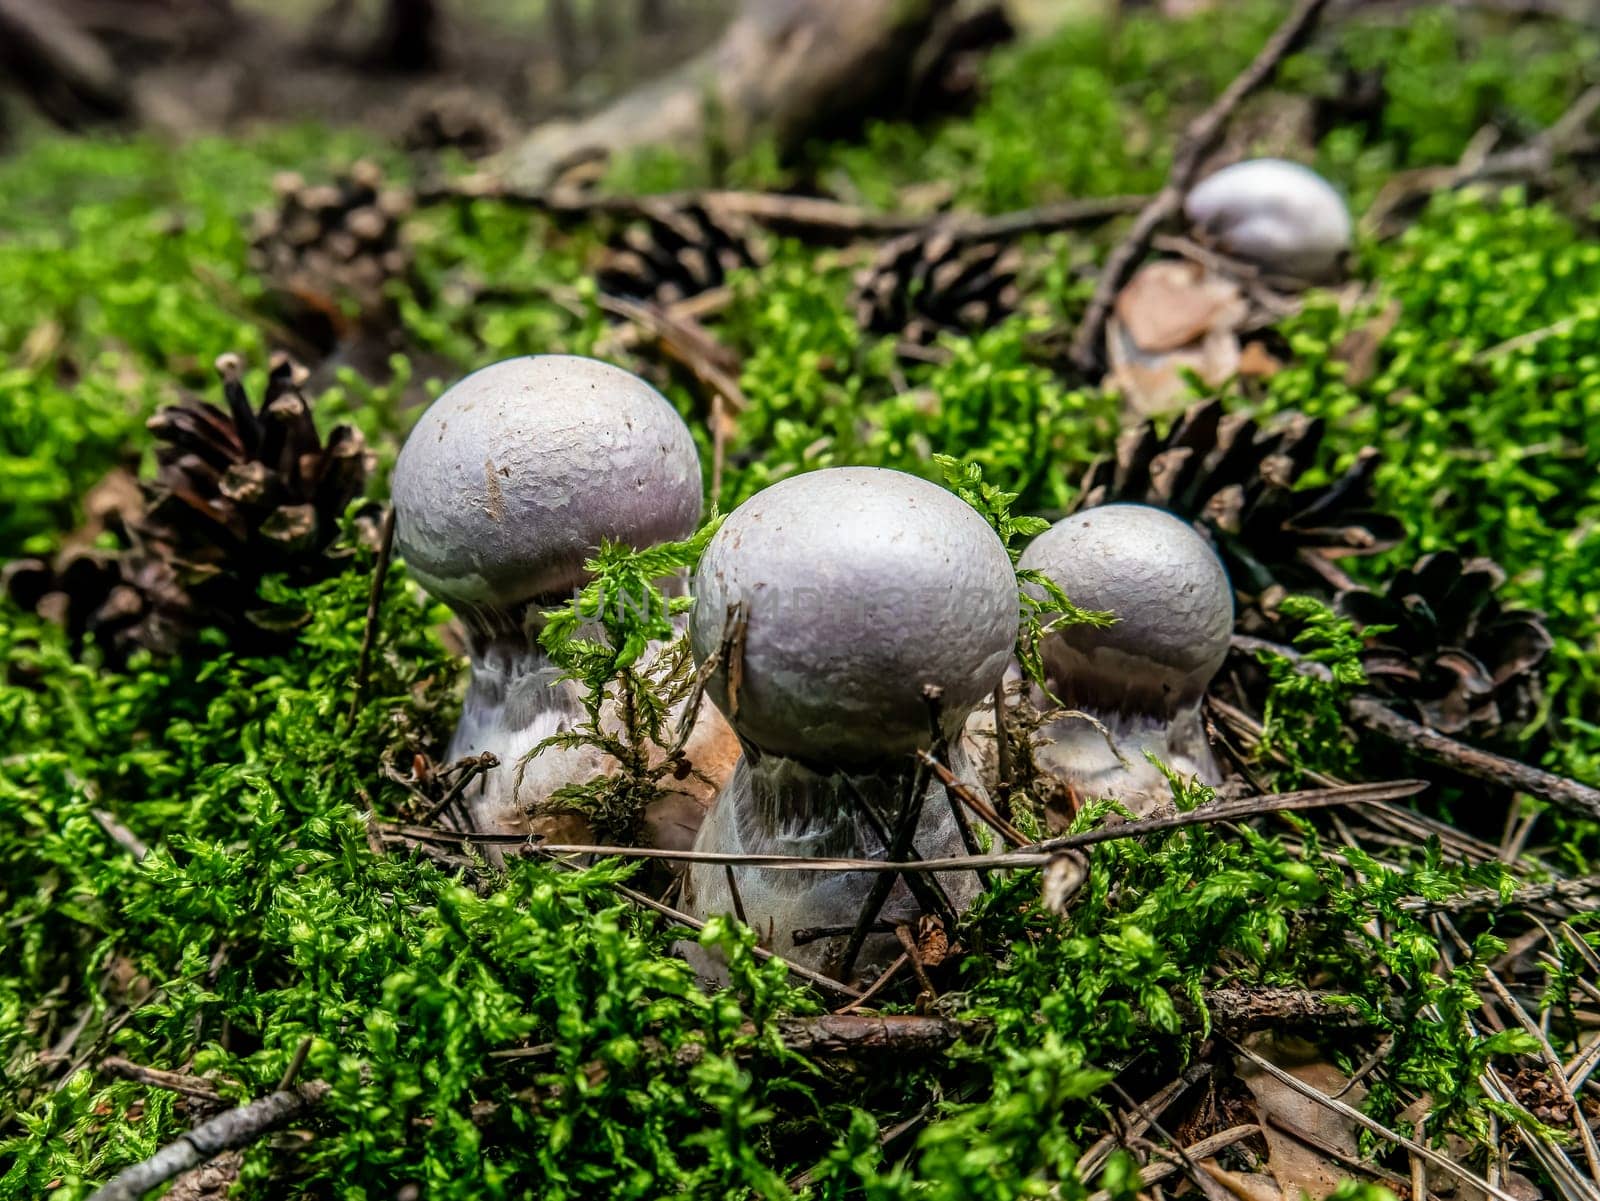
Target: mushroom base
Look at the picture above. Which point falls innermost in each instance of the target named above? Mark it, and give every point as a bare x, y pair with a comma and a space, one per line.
516, 699
773, 805
1076, 754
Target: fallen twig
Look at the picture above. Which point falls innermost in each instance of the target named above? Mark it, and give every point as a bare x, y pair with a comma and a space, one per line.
809, 218
1198, 139
369, 634
1532, 159
236, 1128
472, 768
1376, 717
1037, 855
1472, 761
189, 1086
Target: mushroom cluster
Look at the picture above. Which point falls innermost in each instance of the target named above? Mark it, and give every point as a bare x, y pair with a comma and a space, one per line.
859, 590
844, 620
504, 488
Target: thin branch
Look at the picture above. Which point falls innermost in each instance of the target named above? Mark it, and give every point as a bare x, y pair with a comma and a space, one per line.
225, 1132
1472, 761
1199, 138
473, 767
1037, 855
369, 635
973, 801
898, 847
809, 218
189, 1086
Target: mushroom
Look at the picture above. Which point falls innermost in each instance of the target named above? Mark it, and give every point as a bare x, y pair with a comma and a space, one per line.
1141, 679
506, 485
1276, 214
858, 588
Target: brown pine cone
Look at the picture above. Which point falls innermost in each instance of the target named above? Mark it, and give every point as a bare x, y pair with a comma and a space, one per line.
1454, 655
238, 495
328, 250
922, 284
674, 253
472, 122
1237, 484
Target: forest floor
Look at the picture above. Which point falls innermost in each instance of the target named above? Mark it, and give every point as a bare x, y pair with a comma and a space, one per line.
225, 900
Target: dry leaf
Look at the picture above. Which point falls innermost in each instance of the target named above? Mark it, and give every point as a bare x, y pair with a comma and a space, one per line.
1255, 359
1171, 303
1173, 317
1295, 1165
933, 943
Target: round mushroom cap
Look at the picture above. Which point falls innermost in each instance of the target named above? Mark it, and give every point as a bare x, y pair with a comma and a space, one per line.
514, 476
860, 586
1169, 594
1275, 213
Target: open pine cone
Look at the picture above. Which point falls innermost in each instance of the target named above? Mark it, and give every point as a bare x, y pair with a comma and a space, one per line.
922, 284
674, 253
238, 495
1454, 655
475, 123
1237, 482
328, 249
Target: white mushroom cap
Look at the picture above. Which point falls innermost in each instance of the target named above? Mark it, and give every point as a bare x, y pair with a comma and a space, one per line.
1276, 213
515, 475
860, 586
1169, 593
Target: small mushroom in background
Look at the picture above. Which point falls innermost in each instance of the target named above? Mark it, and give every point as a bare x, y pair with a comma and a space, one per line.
1143, 677
859, 587
506, 485
1278, 215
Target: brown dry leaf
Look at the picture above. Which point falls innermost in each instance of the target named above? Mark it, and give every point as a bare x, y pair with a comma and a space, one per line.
1294, 1164
1153, 384
1256, 360
933, 942
1171, 303
1174, 316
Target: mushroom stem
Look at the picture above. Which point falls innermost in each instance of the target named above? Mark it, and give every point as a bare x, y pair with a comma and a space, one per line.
515, 700
775, 805
1071, 747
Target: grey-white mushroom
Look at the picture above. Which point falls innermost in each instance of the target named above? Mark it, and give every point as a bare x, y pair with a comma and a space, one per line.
858, 587
1276, 214
506, 485
1142, 679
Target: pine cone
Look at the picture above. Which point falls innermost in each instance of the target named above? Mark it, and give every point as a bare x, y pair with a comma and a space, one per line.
1454, 654
674, 253
238, 495
472, 122
329, 246
1236, 483
921, 284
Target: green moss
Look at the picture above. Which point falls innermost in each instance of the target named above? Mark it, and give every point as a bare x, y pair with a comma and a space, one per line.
263, 917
